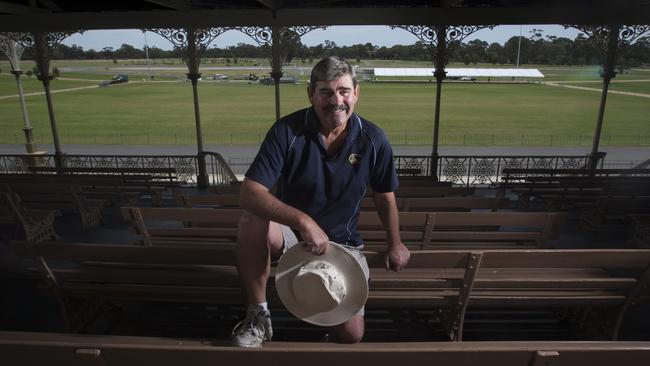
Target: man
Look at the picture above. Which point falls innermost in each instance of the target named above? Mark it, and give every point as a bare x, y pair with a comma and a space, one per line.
324, 157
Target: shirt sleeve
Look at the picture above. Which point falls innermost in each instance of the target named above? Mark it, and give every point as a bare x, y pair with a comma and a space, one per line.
267, 165
384, 177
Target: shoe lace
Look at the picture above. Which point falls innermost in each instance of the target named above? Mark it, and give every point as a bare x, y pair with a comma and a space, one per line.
250, 323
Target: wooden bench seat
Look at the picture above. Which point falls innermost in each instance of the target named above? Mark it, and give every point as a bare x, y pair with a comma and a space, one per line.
451, 282
60, 197
611, 212
430, 191
117, 189
566, 198
442, 190
423, 230
184, 226
112, 350
403, 204
200, 226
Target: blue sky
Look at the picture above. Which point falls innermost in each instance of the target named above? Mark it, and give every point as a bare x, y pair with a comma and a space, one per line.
341, 35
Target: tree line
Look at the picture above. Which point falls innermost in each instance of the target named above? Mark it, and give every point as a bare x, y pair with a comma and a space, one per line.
536, 48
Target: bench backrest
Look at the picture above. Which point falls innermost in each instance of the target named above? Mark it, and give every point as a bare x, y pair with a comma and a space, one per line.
178, 224
426, 229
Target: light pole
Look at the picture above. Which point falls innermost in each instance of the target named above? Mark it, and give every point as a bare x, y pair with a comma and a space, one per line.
519, 46
13, 51
146, 53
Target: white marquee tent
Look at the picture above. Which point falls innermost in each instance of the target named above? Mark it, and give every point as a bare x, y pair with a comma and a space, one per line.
460, 72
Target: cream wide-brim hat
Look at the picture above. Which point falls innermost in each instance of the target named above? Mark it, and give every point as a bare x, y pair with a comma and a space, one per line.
321, 306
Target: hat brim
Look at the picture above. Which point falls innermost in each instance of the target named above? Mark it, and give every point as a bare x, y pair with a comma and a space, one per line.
344, 261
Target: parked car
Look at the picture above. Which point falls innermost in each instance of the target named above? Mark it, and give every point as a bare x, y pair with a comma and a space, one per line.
117, 79
220, 77
467, 78
284, 80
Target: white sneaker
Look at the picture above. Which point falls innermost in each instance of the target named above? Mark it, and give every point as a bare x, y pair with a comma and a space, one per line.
254, 329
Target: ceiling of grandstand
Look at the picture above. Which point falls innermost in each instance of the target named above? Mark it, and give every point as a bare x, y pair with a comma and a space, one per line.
59, 15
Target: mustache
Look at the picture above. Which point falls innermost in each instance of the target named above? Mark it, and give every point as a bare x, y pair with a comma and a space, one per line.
336, 108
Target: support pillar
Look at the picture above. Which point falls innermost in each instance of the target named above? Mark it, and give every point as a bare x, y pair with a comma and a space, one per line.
29, 138
43, 65
440, 74
607, 75
276, 67
194, 75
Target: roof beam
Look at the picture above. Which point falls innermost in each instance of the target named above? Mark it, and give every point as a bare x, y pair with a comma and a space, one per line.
271, 4
172, 4
49, 4
592, 15
11, 8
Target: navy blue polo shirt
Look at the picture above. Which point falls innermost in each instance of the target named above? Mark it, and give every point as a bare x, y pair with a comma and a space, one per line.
327, 188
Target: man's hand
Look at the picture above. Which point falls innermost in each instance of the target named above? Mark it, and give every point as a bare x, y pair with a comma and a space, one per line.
397, 257
314, 237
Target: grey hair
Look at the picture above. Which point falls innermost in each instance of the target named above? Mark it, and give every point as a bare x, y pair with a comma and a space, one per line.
331, 68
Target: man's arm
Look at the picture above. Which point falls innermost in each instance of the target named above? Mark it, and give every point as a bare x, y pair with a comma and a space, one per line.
257, 199
397, 255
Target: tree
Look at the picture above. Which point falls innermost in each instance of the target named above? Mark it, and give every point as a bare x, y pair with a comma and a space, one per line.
106, 53
510, 50
126, 51
290, 43
495, 54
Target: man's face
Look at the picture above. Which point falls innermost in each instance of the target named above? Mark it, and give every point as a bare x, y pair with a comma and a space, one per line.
334, 101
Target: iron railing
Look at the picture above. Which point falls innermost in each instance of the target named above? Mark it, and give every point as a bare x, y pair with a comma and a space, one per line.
460, 170
481, 170
186, 166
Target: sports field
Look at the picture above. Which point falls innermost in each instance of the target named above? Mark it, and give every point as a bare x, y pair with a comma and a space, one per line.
238, 112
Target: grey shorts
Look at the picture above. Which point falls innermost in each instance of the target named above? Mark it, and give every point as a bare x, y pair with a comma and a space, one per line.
290, 239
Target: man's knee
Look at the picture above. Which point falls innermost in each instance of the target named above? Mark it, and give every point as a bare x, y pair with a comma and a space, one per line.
252, 229
349, 332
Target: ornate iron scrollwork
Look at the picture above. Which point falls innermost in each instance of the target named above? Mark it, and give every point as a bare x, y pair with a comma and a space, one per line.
185, 168
455, 170
47, 41
543, 163
180, 38
52, 39
263, 36
484, 170
10, 47
600, 34
572, 163
427, 34
454, 35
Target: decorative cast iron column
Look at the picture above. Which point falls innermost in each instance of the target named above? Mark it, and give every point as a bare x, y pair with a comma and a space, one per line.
273, 37
192, 42
611, 40
442, 40
42, 43
13, 51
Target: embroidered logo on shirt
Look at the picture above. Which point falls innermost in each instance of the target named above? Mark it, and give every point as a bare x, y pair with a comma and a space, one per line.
354, 159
